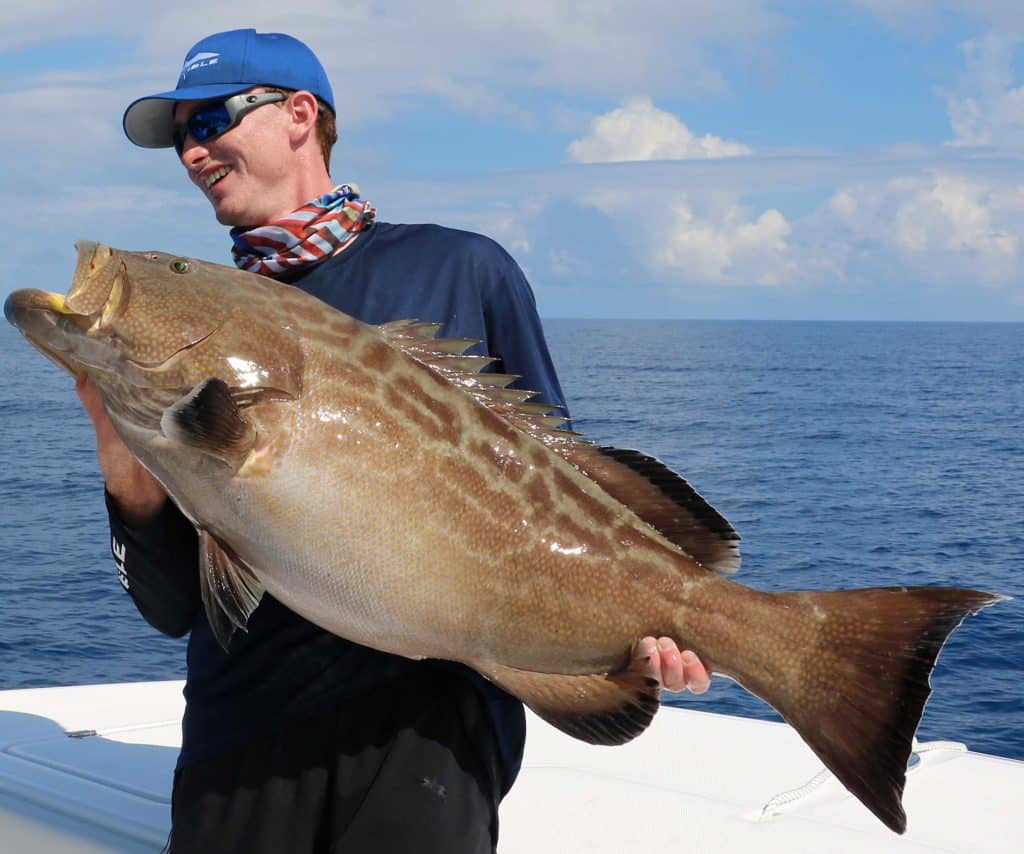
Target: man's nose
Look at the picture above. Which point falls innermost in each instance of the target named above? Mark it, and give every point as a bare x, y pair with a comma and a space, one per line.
192, 152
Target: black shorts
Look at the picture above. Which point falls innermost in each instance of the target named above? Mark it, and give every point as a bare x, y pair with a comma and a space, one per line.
410, 768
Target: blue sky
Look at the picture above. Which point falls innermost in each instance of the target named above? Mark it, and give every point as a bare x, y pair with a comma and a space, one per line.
737, 159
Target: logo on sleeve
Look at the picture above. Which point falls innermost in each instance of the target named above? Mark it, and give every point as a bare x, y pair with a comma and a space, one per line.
119, 551
199, 60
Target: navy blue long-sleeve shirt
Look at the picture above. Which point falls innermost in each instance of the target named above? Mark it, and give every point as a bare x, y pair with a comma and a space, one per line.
284, 667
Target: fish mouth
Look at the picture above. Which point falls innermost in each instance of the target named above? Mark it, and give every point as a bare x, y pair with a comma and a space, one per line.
45, 319
64, 327
69, 340
27, 300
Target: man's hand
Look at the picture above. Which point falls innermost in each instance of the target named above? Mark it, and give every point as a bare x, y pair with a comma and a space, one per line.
138, 495
661, 659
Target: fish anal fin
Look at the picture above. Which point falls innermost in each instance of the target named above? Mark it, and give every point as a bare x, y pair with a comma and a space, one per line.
230, 590
210, 420
596, 708
662, 498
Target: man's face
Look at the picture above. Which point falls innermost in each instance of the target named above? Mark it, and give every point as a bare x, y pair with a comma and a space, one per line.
247, 172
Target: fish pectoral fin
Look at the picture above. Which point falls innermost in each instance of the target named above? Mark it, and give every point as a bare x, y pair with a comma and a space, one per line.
231, 591
597, 708
209, 419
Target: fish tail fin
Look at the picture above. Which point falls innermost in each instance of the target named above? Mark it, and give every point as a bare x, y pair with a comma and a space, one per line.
851, 675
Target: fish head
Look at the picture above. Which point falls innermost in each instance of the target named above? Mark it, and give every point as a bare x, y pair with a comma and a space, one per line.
141, 322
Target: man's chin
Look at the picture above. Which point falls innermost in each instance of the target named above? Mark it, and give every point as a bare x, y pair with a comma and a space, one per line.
228, 217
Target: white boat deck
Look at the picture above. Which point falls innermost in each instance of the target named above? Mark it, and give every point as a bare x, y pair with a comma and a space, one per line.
88, 769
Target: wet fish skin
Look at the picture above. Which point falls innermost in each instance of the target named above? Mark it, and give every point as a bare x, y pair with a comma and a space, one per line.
372, 481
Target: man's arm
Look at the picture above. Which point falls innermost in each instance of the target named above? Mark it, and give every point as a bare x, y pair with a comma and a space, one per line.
154, 546
515, 334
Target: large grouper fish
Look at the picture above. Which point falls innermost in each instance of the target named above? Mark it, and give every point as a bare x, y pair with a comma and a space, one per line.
378, 482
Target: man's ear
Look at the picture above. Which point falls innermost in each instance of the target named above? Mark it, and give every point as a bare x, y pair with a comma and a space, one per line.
303, 109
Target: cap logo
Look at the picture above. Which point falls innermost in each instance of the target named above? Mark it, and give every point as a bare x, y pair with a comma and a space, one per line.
199, 60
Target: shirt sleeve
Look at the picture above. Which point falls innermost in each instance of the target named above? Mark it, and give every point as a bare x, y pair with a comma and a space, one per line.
158, 564
515, 334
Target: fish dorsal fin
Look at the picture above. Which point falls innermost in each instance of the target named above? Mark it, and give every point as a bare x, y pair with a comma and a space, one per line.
659, 496
599, 708
230, 590
410, 327
662, 498
448, 357
210, 420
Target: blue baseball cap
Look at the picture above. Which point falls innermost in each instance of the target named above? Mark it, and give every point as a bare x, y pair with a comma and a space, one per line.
225, 64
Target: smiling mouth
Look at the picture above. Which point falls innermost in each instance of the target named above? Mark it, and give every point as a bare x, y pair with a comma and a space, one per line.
215, 176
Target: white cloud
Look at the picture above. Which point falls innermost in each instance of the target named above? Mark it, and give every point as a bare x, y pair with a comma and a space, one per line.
699, 238
948, 220
28, 24
986, 108
84, 114
381, 54
946, 227
730, 245
958, 226
638, 130
926, 17
985, 104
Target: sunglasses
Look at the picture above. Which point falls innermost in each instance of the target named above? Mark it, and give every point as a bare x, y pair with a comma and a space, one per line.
212, 119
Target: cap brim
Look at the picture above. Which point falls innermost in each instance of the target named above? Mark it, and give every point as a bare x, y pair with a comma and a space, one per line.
149, 121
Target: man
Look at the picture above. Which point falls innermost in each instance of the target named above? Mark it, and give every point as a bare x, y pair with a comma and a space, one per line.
297, 740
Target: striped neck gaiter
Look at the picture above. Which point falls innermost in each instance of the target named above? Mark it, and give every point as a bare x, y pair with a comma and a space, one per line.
306, 236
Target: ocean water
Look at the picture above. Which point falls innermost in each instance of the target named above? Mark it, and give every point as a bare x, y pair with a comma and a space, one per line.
846, 454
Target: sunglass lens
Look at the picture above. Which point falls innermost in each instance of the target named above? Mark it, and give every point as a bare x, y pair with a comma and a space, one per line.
209, 122
204, 124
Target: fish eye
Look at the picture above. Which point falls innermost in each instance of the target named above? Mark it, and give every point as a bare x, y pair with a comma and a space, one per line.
180, 266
